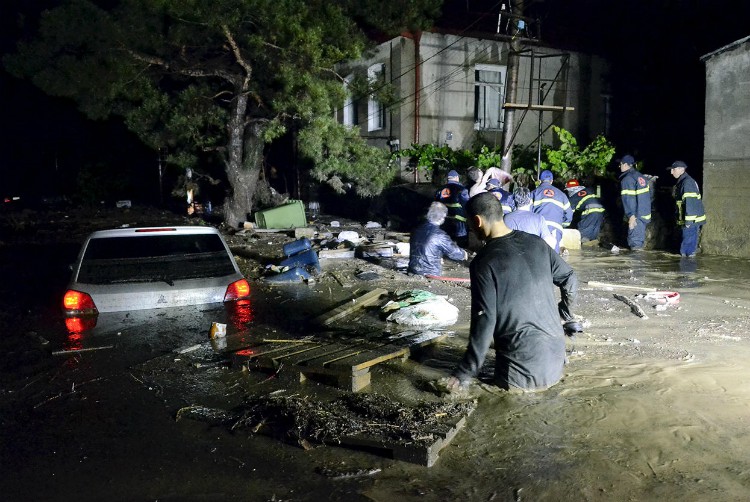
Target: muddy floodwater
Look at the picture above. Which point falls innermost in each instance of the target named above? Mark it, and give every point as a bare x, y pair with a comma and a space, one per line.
654, 408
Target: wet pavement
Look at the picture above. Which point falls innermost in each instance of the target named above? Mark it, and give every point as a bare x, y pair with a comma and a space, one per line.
649, 409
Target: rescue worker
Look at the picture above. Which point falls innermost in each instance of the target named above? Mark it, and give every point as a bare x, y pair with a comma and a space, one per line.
523, 219
428, 244
455, 196
553, 204
514, 304
690, 213
636, 202
588, 212
505, 198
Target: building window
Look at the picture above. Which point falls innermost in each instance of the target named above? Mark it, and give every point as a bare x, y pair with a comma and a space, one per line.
375, 109
489, 96
349, 115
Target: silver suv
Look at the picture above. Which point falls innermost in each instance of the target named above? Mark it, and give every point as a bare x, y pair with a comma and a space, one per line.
150, 268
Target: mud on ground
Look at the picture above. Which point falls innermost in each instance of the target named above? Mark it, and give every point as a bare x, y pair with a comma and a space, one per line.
650, 408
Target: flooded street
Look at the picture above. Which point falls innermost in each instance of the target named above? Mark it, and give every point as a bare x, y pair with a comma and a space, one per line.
649, 409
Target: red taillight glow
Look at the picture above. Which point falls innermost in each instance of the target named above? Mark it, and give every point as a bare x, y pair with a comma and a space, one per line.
236, 290
79, 302
80, 324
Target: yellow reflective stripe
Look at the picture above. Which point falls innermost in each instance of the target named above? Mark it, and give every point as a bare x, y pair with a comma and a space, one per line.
646, 217
691, 194
584, 200
640, 191
695, 219
554, 225
592, 210
454, 204
456, 217
551, 201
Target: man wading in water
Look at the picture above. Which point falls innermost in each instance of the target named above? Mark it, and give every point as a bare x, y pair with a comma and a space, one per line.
513, 303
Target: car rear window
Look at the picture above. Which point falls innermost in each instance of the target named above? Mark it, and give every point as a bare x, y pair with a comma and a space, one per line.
154, 258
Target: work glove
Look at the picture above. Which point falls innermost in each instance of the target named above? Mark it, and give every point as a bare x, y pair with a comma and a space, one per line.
632, 222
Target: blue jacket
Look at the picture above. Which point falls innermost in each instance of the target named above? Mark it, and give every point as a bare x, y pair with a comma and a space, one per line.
689, 202
506, 199
553, 204
636, 195
455, 196
427, 246
586, 202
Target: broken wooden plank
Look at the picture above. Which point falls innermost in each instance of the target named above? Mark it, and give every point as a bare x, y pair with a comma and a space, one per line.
595, 284
637, 310
350, 306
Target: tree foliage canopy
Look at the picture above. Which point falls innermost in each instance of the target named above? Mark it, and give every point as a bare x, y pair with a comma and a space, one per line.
220, 76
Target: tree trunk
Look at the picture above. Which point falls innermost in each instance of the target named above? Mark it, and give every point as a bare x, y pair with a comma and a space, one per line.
244, 161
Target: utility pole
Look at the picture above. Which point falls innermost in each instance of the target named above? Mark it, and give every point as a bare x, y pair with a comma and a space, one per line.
512, 89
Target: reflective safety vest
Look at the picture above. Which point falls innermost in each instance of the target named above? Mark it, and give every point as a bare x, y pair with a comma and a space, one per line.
690, 209
553, 204
636, 195
455, 196
585, 202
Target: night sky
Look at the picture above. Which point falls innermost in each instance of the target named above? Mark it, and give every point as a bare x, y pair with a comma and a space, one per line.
654, 47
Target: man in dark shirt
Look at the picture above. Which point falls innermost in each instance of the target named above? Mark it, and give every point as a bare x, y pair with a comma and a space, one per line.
513, 303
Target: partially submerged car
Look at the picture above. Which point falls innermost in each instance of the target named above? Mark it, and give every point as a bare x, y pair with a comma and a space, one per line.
130, 269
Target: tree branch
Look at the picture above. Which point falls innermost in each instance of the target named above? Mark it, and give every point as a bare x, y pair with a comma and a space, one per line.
191, 72
238, 56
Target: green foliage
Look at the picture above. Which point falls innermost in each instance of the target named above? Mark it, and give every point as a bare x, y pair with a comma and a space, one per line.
341, 158
198, 76
569, 161
428, 157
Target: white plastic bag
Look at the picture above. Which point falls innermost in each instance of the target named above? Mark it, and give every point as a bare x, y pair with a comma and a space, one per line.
435, 311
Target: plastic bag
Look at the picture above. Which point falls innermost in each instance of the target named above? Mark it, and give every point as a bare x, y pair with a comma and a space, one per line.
436, 311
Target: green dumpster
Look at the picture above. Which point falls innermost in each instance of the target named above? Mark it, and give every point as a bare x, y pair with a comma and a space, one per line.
289, 215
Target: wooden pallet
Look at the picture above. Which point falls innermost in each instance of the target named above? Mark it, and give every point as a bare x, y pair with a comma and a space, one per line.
421, 452
346, 362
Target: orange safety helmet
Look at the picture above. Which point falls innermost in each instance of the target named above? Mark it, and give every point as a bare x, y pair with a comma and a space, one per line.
572, 184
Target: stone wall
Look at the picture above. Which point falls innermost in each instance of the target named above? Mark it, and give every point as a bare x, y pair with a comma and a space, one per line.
726, 158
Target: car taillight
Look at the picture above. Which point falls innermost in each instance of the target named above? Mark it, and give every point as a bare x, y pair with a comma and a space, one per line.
236, 290
76, 301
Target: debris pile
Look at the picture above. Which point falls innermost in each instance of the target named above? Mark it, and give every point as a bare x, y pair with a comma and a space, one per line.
372, 415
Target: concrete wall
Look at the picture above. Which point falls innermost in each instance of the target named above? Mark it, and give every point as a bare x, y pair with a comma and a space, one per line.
726, 157
437, 105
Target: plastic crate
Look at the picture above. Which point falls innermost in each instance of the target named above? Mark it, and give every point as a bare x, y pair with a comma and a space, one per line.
290, 215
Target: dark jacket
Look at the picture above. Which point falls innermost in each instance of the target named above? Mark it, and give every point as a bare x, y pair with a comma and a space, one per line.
689, 202
506, 199
427, 246
636, 195
455, 196
588, 213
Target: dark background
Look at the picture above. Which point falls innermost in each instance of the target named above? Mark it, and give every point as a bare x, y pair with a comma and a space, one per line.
653, 46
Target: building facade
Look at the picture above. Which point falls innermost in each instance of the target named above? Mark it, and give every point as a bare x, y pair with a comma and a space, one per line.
726, 151
451, 90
